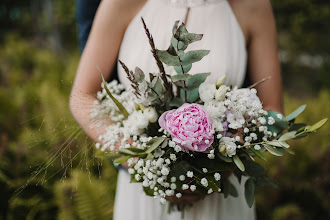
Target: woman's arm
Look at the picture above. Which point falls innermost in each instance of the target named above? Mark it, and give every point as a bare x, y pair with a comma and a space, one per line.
263, 58
111, 20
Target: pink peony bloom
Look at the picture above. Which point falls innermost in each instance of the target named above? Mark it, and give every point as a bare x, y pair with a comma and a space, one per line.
190, 127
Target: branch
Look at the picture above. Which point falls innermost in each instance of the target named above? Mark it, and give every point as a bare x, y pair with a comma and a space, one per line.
259, 82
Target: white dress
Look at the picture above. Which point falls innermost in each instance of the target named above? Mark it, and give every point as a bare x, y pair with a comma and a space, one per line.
224, 37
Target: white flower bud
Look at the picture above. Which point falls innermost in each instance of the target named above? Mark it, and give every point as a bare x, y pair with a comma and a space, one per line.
151, 114
221, 80
221, 93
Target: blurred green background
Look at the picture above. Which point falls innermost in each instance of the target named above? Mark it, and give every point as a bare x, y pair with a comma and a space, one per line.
50, 170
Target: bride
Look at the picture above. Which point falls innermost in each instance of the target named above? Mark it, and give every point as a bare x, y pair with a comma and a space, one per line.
241, 35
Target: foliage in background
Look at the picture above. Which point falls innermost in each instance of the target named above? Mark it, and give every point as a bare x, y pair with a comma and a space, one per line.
34, 90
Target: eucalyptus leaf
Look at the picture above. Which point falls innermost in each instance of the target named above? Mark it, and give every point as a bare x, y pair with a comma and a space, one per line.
238, 163
273, 150
178, 45
176, 102
183, 35
317, 125
178, 77
126, 151
192, 95
139, 75
158, 87
186, 68
143, 86
196, 79
193, 56
167, 58
175, 27
249, 192
297, 112
274, 143
238, 175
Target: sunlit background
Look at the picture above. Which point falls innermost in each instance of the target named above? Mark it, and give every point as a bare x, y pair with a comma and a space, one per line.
50, 170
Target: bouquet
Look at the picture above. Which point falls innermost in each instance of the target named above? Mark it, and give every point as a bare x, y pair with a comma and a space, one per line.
177, 132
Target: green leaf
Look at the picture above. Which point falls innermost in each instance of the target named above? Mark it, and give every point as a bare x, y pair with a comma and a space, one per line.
273, 150
238, 175
274, 143
126, 151
192, 95
148, 191
193, 56
178, 77
238, 163
233, 191
289, 151
183, 35
175, 27
139, 75
214, 185
264, 181
295, 113
317, 125
176, 102
249, 192
167, 58
122, 159
226, 187
154, 144
196, 79
182, 46
179, 169
158, 86
258, 154
284, 144
279, 125
118, 104
224, 158
253, 168
287, 136
186, 68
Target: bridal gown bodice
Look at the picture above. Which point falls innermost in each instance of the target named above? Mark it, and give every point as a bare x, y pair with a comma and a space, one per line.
223, 36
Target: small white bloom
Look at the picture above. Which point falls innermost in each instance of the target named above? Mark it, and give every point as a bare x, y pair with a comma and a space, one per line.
262, 120
279, 116
171, 143
182, 177
165, 171
185, 186
131, 171
137, 177
257, 147
204, 170
228, 145
177, 148
237, 138
192, 188
173, 179
97, 145
211, 156
210, 191
178, 195
217, 176
204, 182
271, 120
190, 174
173, 186
173, 157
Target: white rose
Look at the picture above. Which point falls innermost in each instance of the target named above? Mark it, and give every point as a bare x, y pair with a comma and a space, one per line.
228, 145
221, 80
151, 114
221, 93
206, 92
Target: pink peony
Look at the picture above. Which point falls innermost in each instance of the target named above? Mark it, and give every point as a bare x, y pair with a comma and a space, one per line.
190, 127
